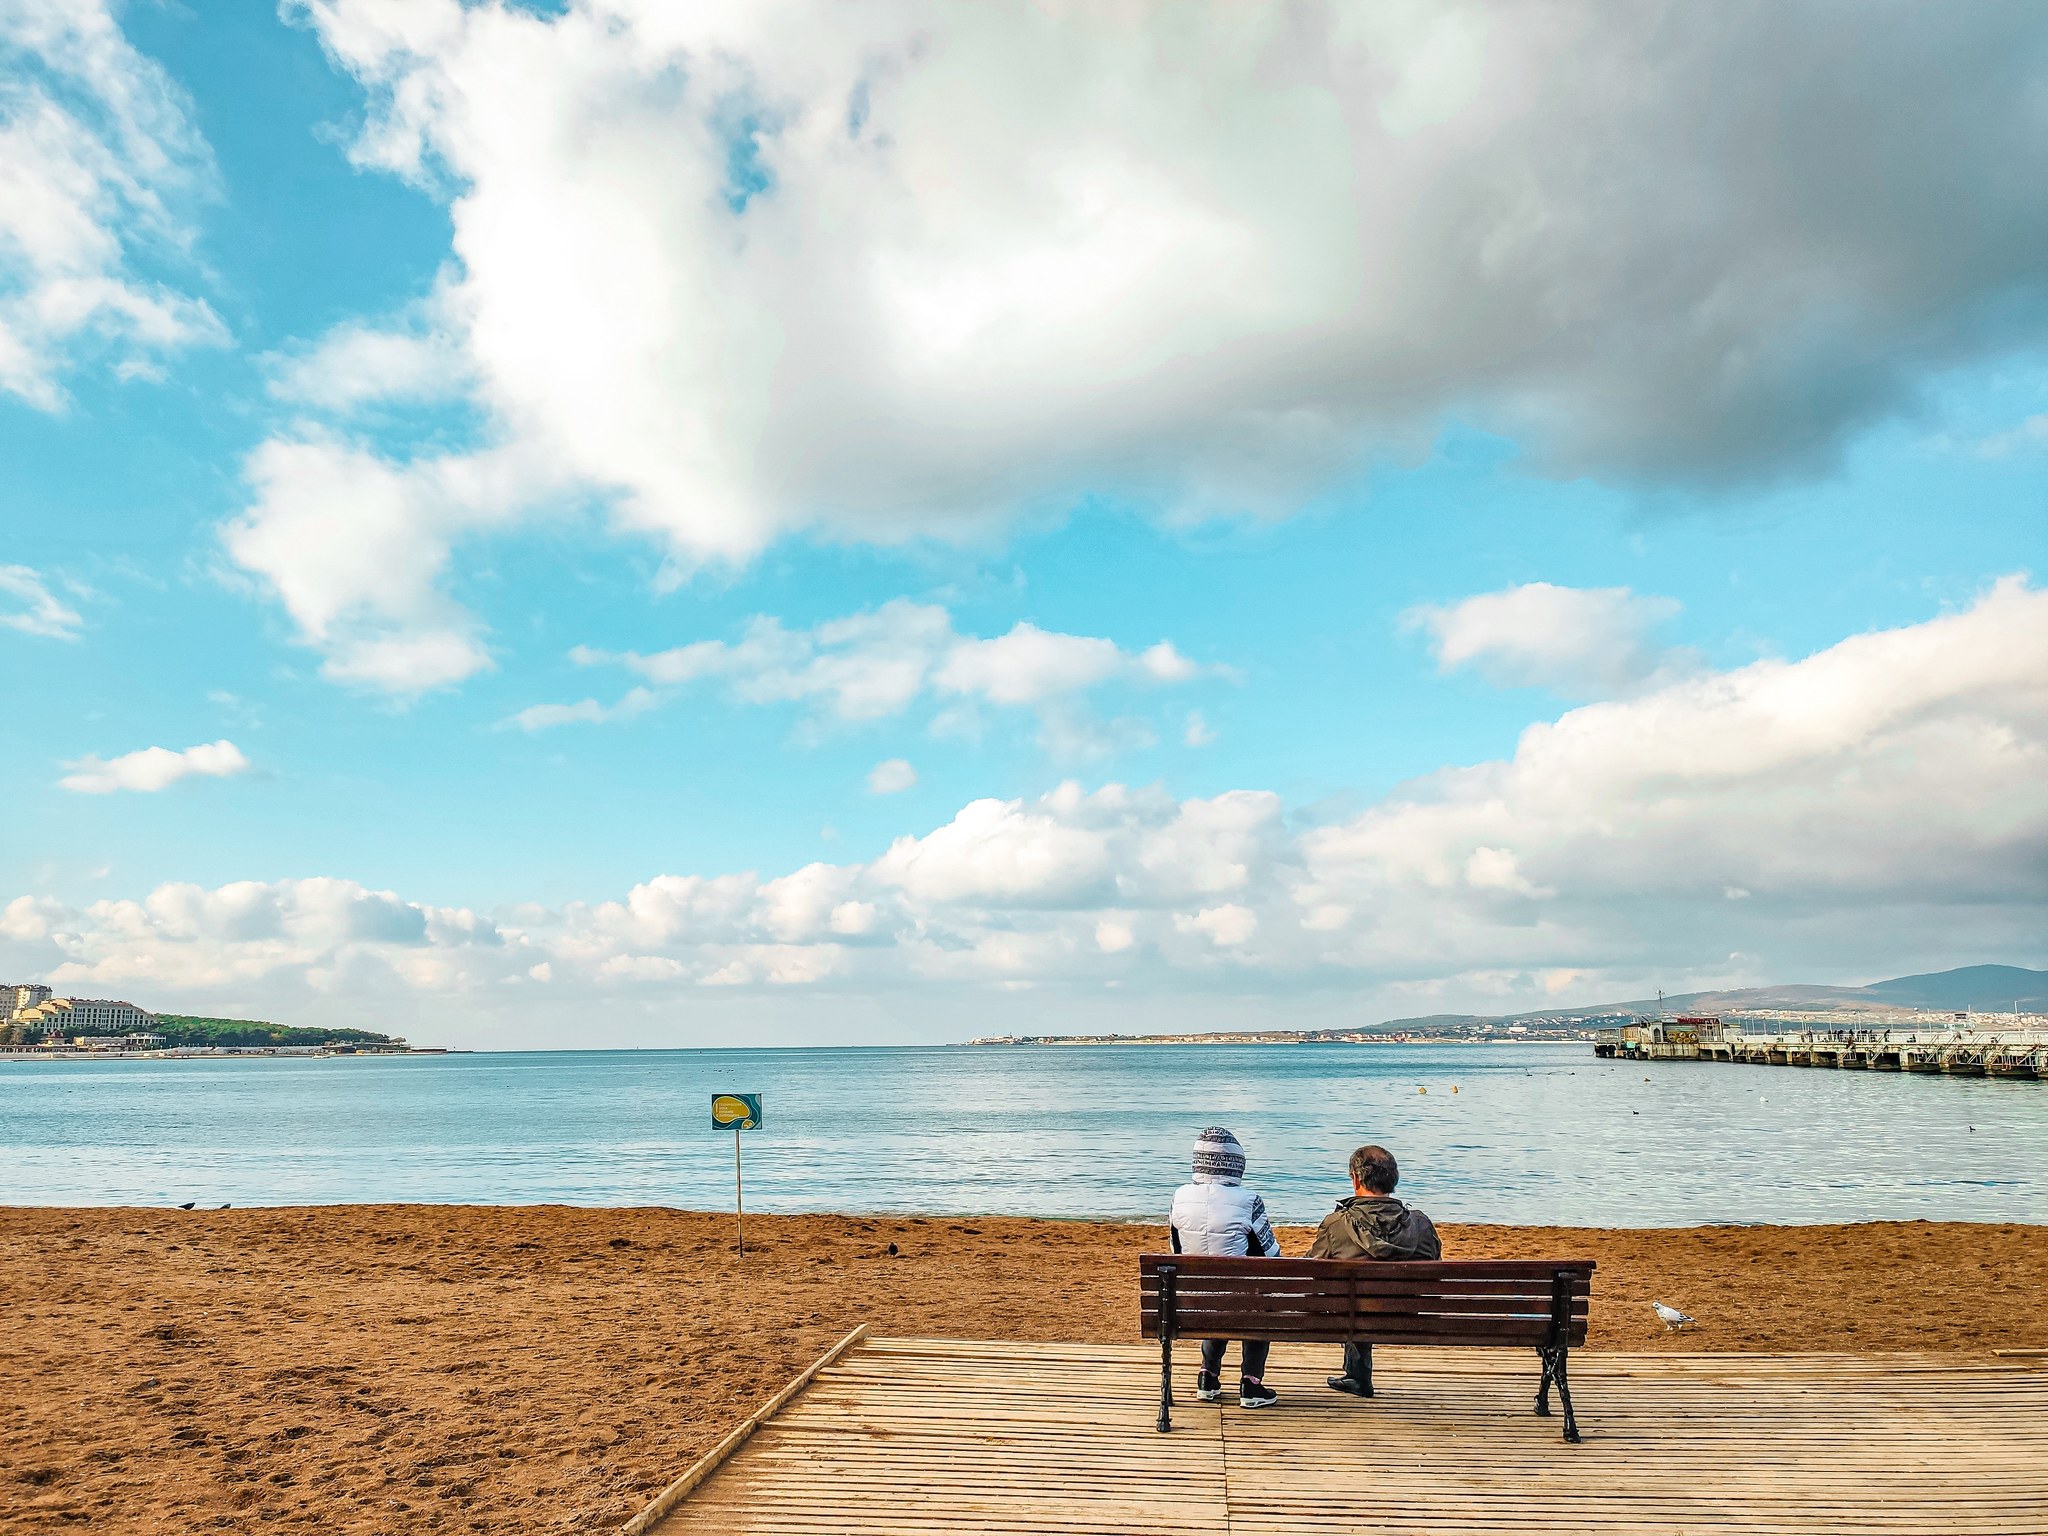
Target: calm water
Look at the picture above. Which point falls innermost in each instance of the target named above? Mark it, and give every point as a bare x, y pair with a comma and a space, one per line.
1530, 1134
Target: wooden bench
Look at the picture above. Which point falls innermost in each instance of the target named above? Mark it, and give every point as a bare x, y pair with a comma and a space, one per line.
1488, 1303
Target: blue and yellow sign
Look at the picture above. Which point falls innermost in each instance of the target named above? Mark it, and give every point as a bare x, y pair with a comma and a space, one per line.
735, 1111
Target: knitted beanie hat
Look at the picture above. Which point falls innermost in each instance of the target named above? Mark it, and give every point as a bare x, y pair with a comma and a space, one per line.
1218, 1153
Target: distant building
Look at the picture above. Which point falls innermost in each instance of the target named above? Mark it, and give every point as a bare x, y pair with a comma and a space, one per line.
17, 997
86, 1016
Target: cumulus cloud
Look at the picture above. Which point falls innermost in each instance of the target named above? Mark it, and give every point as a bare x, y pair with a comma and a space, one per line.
1870, 808
153, 768
871, 665
897, 269
98, 161
40, 612
543, 717
355, 365
1573, 639
891, 777
352, 546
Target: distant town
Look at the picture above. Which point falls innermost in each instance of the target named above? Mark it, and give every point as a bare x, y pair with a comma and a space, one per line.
1457, 1030
1971, 998
34, 1022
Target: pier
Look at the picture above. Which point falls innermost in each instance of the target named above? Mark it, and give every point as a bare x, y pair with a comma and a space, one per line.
2019, 1052
943, 1435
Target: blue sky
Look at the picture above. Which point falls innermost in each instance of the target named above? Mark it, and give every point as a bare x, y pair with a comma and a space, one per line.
1316, 553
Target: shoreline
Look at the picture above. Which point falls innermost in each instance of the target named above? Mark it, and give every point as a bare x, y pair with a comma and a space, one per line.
926, 1215
372, 1368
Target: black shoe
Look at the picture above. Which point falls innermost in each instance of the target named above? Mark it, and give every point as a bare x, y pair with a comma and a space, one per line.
1255, 1394
1350, 1384
1208, 1389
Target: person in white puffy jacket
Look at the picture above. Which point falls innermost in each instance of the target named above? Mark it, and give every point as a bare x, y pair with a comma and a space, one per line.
1215, 1214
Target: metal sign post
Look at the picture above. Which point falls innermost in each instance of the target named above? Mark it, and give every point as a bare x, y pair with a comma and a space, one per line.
737, 1112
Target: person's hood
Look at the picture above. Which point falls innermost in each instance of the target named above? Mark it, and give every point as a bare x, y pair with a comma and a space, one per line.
1383, 1217
1215, 1178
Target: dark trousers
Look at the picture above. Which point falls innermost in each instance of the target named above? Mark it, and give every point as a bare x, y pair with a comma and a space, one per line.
1358, 1363
1254, 1357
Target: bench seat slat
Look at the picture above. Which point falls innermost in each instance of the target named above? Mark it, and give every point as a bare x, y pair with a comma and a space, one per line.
1189, 1318
1531, 1338
1257, 1325
1474, 1269
1199, 1293
1360, 1275
1339, 1301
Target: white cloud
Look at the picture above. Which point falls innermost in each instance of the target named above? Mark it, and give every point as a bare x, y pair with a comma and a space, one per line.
1199, 732
891, 777
41, 612
875, 664
353, 547
542, 717
1028, 665
975, 259
1870, 809
97, 159
356, 365
1574, 639
1002, 853
1227, 927
153, 768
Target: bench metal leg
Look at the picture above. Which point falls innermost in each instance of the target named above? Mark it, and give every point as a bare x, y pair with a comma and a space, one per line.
1165, 1381
1554, 1369
1169, 1322
1564, 1396
1555, 1354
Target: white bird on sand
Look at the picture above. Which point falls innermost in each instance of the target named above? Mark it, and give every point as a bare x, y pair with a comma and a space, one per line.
1673, 1318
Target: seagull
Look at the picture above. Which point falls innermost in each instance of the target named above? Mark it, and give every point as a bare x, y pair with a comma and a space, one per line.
1673, 1318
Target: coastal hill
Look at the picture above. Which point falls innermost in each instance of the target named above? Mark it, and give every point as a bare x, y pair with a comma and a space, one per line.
180, 1029
1971, 988
1983, 989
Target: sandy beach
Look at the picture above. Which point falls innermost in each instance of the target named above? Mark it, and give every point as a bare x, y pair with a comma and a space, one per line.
398, 1368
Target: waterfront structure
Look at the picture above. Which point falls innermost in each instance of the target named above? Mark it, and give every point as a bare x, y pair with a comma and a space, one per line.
2017, 1050
85, 1016
17, 997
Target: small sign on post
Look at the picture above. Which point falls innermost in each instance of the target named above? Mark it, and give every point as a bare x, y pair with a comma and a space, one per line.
737, 1112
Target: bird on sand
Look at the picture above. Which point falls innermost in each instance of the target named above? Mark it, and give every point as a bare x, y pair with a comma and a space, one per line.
226, 1206
1673, 1318
188, 1205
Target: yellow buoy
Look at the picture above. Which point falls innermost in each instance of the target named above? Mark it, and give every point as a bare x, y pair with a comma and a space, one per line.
1422, 1090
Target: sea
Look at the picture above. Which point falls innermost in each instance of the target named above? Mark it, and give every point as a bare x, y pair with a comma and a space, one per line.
1519, 1133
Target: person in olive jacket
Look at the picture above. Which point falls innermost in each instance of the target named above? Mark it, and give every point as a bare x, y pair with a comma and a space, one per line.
1372, 1224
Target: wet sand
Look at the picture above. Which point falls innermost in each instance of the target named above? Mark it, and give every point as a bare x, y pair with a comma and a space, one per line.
382, 1369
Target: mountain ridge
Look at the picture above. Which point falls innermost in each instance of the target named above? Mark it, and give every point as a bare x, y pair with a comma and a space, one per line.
1972, 988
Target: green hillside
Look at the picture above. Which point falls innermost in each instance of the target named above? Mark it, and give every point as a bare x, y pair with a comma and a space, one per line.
182, 1029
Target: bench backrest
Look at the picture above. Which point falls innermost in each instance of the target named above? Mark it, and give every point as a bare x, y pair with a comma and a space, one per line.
1494, 1302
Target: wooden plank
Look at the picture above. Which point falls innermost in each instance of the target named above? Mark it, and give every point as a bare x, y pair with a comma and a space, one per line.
712, 1459
927, 1437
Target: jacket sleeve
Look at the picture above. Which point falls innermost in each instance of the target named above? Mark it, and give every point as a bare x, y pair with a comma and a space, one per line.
1173, 1236
1263, 1243
1320, 1248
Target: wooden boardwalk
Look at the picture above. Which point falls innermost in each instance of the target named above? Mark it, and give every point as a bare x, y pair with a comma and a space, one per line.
908, 1435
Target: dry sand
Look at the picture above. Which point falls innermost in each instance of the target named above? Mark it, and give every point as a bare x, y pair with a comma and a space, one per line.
382, 1369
